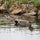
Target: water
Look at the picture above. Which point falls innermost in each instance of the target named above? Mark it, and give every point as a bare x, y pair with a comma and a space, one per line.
10, 32
19, 34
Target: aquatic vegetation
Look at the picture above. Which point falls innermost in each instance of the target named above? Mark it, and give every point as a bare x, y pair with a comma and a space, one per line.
23, 1
8, 3
38, 23
3, 23
36, 3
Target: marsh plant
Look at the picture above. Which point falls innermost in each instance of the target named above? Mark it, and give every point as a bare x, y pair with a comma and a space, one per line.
2, 2
9, 3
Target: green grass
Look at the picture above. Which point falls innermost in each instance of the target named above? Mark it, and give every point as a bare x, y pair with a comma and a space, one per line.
36, 3
24, 1
9, 3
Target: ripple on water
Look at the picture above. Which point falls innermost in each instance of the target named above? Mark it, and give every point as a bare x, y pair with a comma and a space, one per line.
19, 34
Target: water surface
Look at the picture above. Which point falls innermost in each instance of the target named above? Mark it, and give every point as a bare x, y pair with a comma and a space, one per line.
10, 32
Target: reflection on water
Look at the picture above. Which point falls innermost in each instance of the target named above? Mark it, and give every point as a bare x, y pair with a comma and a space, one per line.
19, 34
38, 23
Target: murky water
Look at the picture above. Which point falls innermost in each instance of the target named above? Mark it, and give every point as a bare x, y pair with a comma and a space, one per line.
18, 33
